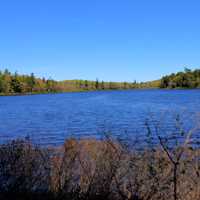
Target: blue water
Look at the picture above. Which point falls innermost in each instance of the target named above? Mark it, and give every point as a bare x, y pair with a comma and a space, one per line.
49, 119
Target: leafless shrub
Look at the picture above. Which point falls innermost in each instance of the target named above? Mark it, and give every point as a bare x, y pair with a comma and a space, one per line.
105, 169
24, 168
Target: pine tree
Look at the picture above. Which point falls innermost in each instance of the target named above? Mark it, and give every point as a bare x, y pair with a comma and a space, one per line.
97, 84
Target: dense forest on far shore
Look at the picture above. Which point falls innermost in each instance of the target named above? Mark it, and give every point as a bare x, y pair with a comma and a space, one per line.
187, 79
13, 83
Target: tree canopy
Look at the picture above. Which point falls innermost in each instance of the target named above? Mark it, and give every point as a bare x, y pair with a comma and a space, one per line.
186, 79
14, 83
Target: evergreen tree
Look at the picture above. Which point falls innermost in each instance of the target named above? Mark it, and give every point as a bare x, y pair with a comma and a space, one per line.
31, 82
86, 84
97, 84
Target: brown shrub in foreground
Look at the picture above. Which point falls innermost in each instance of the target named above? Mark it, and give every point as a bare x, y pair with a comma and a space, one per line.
100, 170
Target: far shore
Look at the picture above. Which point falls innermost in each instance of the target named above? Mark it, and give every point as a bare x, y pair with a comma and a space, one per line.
83, 91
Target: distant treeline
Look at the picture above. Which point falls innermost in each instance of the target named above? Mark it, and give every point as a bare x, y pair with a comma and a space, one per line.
13, 83
187, 79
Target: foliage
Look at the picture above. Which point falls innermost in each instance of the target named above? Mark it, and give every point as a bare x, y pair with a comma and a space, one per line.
187, 79
23, 84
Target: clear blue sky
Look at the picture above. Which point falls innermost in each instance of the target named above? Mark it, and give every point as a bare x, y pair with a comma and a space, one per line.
106, 39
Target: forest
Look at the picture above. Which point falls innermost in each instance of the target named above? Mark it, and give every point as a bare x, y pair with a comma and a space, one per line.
13, 83
186, 79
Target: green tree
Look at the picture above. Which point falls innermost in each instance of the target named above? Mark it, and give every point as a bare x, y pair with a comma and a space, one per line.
97, 84
31, 82
15, 85
6, 80
86, 84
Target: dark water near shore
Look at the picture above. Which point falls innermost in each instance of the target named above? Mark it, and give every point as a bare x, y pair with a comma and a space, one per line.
49, 119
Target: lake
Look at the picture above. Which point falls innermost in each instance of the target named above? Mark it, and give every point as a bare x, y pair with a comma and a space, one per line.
49, 119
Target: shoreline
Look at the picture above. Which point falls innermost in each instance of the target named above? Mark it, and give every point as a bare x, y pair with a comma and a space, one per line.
73, 91
77, 91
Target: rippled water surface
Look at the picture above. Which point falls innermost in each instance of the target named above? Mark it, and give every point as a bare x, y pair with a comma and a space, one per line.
49, 119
